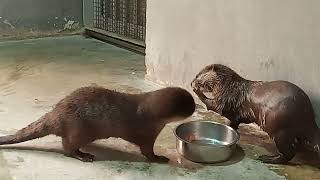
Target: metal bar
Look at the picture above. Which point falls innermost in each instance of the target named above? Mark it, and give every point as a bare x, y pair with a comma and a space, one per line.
106, 37
121, 17
136, 20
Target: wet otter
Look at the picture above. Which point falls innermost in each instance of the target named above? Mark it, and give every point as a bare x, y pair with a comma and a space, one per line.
91, 113
280, 108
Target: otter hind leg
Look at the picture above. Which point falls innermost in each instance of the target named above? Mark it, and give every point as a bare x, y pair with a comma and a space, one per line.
286, 149
72, 149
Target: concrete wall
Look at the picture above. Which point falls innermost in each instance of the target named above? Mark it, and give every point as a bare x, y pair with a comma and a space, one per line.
88, 15
262, 40
27, 17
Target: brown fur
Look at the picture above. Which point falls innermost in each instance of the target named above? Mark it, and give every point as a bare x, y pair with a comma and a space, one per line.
280, 108
92, 113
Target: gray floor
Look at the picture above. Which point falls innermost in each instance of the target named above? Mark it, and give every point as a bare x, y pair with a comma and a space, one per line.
35, 74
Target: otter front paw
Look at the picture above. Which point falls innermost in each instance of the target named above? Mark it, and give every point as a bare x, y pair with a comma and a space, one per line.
273, 159
84, 157
163, 159
160, 159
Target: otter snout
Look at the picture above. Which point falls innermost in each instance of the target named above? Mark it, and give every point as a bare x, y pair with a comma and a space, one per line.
194, 84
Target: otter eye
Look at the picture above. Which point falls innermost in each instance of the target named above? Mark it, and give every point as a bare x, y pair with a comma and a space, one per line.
209, 87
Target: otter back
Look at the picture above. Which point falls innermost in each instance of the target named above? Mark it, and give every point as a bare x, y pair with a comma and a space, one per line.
92, 113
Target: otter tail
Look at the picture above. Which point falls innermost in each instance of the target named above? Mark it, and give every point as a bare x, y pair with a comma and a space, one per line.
35, 130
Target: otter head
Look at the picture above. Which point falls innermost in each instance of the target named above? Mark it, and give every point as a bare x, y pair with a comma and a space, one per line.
205, 80
168, 105
212, 79
215, 84
180, 102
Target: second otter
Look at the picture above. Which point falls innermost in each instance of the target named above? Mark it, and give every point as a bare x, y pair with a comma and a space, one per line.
280, 108
92, 113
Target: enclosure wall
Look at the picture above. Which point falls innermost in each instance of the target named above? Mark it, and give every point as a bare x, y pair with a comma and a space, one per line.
39, 17
262, 40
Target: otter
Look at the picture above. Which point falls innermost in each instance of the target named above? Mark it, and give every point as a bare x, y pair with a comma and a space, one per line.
92, 113
280, 108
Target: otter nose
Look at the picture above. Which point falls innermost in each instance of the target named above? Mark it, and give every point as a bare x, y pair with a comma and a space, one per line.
193, 83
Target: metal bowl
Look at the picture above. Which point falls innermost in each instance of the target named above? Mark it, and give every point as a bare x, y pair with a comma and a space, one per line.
205, 141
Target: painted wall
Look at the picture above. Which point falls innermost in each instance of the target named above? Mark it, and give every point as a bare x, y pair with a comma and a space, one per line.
88, 14
27, 17
262, 40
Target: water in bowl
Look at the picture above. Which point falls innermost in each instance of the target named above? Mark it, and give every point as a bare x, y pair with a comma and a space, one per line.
208, 141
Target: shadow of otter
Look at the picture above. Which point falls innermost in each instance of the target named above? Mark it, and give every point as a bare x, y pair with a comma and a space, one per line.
101, 152
182, 162
104, 153
236, 157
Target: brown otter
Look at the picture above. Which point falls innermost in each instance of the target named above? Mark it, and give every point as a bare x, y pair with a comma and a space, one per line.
91, 113
280, 108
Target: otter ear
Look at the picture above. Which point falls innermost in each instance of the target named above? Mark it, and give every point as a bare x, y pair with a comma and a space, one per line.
204, 70
212, 67
209, 68
219, 67
216, 67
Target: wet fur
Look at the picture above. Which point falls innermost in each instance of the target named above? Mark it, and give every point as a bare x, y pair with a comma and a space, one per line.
92, 113
280, 108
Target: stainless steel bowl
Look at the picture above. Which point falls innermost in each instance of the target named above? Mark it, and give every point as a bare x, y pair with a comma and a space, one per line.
205, 141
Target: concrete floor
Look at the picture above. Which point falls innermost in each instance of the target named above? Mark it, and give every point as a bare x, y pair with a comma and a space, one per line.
35, 74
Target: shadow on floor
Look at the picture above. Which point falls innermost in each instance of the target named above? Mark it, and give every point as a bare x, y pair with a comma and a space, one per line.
236, 157
179, 161
104, 153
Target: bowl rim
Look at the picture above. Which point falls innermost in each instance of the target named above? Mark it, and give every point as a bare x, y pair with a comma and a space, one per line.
235, 141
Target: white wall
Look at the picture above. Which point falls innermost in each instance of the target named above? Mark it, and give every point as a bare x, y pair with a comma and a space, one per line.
262, 40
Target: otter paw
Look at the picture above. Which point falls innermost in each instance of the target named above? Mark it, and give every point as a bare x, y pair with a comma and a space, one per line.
84, 157
160, 159
272, 159
89, 158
